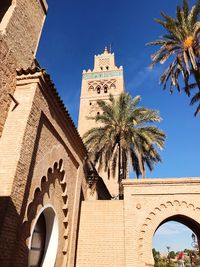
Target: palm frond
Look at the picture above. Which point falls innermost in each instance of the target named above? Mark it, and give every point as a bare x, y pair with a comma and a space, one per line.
197, 110
193, 16
195, 98
122, 131
181, 44
186, 8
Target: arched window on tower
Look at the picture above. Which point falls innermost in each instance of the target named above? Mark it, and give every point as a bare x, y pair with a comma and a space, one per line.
105, 89
107, 68
98, 89
112, 86
91, 88
5, 4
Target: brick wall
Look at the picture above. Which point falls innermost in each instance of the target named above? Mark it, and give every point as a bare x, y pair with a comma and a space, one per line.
37, 136
21, 26
101, 234
20, 30
7, 80
150, 202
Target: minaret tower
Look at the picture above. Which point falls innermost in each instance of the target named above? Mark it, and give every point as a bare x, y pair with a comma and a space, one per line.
106, 78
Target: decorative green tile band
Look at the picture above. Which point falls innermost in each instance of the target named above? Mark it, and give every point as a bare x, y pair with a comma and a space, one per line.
99, 75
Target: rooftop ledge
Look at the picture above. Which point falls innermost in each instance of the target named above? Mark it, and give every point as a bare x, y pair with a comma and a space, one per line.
161, 181
44, 5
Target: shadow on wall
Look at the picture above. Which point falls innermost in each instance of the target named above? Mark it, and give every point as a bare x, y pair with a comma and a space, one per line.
4, 5
14, 250
9, 227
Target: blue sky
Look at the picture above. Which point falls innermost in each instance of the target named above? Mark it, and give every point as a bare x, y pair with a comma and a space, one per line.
76, 30
172, 234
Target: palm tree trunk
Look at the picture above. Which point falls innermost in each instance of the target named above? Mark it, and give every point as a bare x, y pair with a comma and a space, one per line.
121, 193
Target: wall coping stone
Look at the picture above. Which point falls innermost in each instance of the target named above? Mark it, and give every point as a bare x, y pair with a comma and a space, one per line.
161, 181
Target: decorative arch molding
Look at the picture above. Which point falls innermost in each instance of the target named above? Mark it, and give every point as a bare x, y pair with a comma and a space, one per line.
155, 218
101, 84
91, 88
113, 86
53, 174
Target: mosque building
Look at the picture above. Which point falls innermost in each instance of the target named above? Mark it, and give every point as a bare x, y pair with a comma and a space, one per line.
56, 210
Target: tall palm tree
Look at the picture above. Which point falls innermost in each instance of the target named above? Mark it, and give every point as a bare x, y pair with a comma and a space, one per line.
124, 137
181, 44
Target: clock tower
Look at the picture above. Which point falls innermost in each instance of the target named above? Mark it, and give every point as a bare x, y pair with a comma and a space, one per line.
97, 84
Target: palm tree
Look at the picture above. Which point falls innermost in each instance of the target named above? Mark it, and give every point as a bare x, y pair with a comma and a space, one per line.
181, 44
194, 100
124, 137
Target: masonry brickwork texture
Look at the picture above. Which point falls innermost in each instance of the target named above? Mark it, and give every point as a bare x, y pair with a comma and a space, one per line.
120, 233
35, 138
21, 27
150, 202
101, 234
7, 80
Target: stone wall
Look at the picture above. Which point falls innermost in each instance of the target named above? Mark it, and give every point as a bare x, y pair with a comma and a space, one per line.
148, 203
20, 29
120, 233
7, 80
41, 164
21, 26
101, 234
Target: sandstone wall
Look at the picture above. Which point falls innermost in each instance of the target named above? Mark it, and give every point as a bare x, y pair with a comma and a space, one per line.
42, 157
101, 234
7, 80
21, 27
150, 202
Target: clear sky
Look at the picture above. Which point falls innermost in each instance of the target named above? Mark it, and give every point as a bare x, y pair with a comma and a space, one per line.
76, 30
173, 234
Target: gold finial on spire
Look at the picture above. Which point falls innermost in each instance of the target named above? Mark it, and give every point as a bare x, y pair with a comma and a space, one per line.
105, 50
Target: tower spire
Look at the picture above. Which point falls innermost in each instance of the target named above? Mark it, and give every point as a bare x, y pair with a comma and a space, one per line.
105, 50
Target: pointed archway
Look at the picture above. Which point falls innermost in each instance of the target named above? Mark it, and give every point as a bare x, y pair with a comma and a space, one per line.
181, 212
175, 237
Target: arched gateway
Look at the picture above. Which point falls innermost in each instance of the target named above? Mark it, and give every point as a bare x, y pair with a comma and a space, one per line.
121, 231
148, 204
